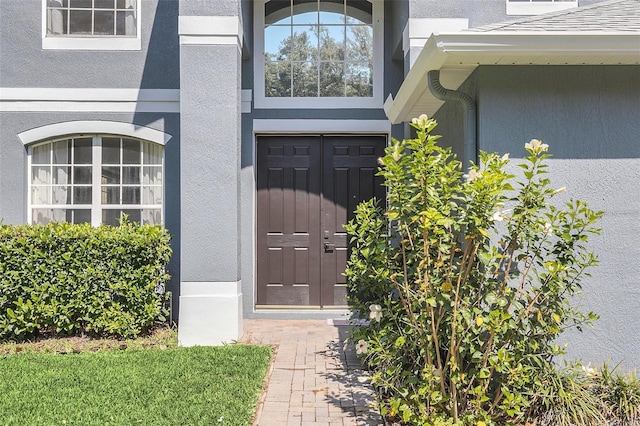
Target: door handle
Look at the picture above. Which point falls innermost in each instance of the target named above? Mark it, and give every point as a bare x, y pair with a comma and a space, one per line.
329, 247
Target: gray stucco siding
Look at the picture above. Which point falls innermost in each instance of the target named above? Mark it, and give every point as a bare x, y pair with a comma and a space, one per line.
584, 111
589, 117
210, 114
479, 12
209, 8
23, 62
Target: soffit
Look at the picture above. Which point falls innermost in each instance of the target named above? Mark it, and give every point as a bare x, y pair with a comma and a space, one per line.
456, 55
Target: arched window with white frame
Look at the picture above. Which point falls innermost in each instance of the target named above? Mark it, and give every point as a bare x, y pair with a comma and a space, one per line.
96, 179
319, 53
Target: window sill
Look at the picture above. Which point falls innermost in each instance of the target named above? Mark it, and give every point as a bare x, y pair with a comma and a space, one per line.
538, 7
91, 43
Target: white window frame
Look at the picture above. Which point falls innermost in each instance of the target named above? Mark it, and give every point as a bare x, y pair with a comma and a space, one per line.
55, 42
537, 7
262, 101
96, 205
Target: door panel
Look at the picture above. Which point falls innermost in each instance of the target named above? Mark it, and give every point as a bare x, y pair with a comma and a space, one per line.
349, 177
288, 203
308, 187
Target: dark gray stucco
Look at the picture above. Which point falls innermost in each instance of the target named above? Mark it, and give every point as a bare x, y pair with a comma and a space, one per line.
479, 12
210, 162
25, 64
589, 117
209, 8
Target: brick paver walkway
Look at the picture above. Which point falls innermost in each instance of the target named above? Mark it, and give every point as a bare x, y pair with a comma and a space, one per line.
313, 380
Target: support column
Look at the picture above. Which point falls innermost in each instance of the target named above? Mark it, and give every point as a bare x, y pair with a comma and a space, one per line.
210, 289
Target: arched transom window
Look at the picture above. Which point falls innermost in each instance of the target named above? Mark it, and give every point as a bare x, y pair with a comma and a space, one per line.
323, 49
95, 179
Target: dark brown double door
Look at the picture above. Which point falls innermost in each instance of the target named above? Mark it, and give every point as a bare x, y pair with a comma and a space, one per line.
308, 187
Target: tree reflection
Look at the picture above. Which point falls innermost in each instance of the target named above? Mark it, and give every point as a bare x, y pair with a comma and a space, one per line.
324, 61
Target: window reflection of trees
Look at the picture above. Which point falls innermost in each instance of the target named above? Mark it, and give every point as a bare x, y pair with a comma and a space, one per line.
331, 55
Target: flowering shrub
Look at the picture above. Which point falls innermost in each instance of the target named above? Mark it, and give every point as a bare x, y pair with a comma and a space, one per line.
467, 281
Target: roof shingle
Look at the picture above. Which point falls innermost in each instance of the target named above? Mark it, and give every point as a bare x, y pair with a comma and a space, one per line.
608, 16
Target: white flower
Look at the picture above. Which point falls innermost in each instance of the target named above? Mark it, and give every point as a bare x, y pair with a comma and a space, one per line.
499, 215
472, 175
220, 419
536, 146
376, 312
588, 370
559, 190
505, 157
420, 122
547, 228
361, 347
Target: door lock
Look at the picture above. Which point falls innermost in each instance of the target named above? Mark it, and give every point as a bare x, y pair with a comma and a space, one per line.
329, 247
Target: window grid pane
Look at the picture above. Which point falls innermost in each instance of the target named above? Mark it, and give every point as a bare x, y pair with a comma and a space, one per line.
309, 44
61, 180
102, 18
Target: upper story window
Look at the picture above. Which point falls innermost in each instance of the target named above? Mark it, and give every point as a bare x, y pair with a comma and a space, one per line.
95, 179
319, 53
91, 24
537, 7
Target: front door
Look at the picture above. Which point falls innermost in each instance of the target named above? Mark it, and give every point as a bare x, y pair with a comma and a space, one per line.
308, 187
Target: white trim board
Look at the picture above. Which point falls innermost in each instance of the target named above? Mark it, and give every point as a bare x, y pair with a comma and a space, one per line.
210, 30
323, 126
89, 100
94, 127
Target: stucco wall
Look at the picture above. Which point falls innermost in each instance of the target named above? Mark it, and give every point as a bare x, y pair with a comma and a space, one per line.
209, 8
479, 12
210, 161
23, 62
589, 117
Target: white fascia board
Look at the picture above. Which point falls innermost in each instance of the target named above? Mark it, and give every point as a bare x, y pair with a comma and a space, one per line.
470, 49
418, 30
415, 83
210, 30
559, 42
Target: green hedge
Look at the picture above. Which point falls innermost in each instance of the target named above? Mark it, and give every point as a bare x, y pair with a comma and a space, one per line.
67, 279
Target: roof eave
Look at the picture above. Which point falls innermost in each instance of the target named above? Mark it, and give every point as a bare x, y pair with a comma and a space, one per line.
467, 50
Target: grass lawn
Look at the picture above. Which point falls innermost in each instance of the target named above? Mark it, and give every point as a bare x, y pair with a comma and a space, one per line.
173, 386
